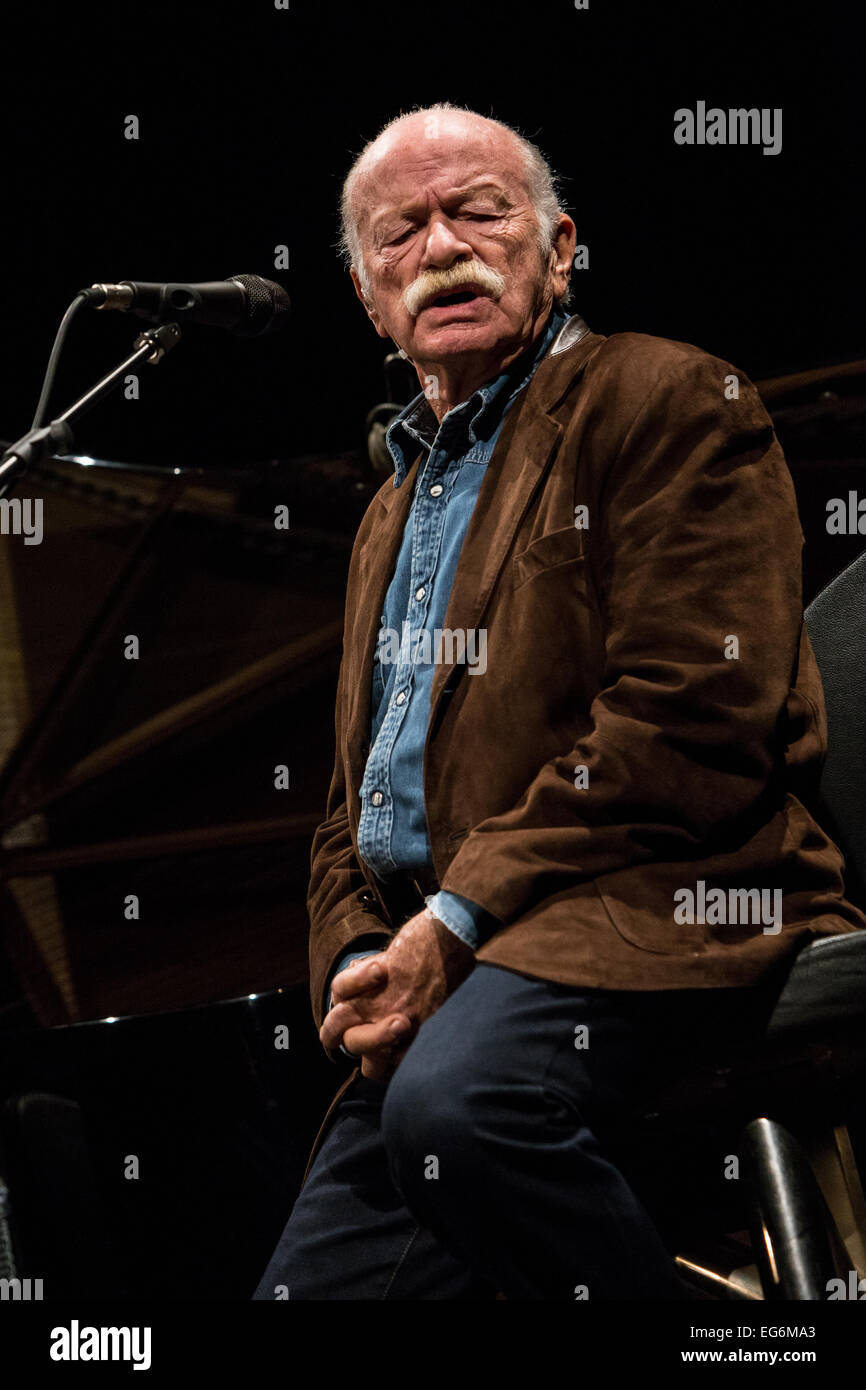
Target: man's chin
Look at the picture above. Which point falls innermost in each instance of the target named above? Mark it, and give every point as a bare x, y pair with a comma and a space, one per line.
451, 337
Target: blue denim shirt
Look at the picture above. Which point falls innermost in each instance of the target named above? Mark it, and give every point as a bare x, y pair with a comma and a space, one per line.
392, 833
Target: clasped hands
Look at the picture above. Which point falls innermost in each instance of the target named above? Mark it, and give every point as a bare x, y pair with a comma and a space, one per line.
379, 1003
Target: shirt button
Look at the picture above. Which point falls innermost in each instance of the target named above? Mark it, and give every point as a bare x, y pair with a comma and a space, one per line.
436, 490
401, 698
419, 593
376, 798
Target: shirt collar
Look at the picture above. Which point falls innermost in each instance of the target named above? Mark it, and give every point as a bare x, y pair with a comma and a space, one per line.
475, 418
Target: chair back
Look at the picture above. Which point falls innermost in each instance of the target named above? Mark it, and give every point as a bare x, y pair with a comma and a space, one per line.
836, 623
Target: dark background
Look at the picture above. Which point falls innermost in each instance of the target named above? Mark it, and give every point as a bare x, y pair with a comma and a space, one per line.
249, 120
250, 117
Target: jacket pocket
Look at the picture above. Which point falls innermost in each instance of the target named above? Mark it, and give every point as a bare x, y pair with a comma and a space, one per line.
641, 906
725, 899
562, 547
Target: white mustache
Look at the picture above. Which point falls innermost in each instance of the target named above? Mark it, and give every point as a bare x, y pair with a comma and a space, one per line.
431, 283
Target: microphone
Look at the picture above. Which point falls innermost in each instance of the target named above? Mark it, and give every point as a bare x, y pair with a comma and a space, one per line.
244, 304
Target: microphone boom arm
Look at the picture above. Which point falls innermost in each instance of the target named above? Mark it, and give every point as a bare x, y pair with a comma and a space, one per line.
57, 437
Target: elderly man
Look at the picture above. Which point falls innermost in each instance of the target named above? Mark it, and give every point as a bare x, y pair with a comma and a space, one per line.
566, 840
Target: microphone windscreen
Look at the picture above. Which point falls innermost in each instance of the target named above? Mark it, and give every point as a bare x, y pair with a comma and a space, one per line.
268, 305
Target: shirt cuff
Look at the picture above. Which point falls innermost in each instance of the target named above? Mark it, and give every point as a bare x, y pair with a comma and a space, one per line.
347, 960
471, 923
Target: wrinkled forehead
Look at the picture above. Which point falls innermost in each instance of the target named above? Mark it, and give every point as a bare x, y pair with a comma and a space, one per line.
427, 156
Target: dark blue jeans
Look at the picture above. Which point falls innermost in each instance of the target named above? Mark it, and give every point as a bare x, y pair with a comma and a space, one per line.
484, 1164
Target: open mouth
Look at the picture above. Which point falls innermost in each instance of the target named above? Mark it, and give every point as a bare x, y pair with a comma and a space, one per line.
442, 301
447, 301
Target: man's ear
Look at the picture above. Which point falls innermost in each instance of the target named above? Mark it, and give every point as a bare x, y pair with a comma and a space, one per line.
562, 253
372, 312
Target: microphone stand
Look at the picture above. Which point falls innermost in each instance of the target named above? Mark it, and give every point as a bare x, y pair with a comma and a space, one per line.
56, 437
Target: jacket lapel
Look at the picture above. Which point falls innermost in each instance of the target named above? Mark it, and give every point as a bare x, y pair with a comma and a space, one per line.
520, 460
377, 559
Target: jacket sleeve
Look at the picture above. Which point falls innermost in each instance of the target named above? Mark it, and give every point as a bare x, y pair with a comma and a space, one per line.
696, 552
342, 909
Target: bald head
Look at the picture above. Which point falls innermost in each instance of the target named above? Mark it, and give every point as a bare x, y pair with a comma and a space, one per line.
443, 121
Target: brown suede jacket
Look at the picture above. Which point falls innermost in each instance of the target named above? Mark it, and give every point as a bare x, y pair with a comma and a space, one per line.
651, 718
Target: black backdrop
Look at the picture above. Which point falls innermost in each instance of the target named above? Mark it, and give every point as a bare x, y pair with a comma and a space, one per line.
249, 116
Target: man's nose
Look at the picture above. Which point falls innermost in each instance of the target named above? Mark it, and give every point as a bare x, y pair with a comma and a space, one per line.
444, 244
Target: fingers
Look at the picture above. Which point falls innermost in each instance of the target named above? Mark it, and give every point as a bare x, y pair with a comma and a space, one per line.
378, 1042
349, 1015
358, 979
360, 976
340, 1017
